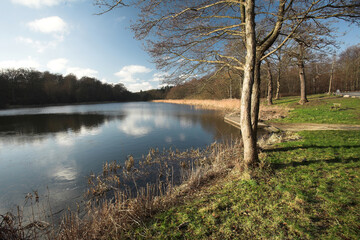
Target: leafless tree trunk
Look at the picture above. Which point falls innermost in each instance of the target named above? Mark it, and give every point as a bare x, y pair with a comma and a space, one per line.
248, 136
301, 66
316, 78
331, 75
277, 96
270, 82
255, 99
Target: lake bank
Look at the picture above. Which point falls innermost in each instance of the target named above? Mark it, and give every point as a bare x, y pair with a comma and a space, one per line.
308, 190
307, 187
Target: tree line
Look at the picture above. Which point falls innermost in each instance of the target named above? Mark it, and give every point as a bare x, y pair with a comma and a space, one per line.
283, 73
32, 87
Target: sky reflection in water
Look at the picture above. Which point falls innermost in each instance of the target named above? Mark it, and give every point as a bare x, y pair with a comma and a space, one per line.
57, 147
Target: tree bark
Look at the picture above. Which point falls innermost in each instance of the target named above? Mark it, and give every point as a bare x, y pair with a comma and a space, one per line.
255, 99
331, 76
277, 96
248, 136
301, 66
270, 81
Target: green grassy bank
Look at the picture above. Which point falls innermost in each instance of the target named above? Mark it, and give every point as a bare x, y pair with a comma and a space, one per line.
309, 190
320, 109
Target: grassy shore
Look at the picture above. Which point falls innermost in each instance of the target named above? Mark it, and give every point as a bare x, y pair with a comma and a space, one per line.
309, 190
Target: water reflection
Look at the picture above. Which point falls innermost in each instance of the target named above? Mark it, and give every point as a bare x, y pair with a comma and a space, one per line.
51, 123
58, 147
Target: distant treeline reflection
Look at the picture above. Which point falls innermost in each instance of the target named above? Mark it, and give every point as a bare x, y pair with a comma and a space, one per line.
31, 87
51, 123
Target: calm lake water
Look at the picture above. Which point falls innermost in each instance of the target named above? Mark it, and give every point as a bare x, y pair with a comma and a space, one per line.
56, 148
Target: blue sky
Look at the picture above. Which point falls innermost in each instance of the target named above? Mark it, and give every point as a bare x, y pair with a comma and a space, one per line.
65, 36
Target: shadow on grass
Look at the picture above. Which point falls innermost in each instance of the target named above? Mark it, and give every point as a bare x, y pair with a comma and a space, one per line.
285, 149
308, 162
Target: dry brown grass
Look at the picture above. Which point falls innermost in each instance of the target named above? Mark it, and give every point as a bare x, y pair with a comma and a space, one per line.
228, 105
14, 226
231, 106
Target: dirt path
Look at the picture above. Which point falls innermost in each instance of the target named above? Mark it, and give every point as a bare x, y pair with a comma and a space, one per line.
294, 127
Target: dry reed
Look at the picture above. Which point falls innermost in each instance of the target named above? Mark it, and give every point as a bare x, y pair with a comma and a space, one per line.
231, 106
128, 207
228, 105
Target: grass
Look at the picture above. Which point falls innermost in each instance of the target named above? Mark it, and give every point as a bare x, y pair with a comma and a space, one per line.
318, 110
309, 191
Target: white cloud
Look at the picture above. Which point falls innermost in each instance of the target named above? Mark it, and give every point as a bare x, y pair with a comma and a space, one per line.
159, 77
38, 45
136, 87
37, 3
65, 139
82, 72
134, 130
136, 125
57, 65
126, 74
104, 80
24, 63
52, 24
65, 173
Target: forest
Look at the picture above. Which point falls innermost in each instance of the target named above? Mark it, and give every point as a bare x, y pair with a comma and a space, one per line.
20, 87
283, 72
280, 73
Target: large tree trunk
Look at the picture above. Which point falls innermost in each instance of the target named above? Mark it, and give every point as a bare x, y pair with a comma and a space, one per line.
255, 99
248, 136
301, 66
270, 81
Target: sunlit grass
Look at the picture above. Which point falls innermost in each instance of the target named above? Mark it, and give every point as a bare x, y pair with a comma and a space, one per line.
310, 191
320, 109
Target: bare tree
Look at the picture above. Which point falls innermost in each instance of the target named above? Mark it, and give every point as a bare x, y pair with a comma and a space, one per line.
270, 83
332, 74
188, 38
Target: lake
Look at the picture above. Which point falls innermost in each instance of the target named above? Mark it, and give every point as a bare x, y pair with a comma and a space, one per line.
52, 150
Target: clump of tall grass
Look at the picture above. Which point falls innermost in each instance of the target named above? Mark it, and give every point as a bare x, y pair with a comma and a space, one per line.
118, 201
17, 227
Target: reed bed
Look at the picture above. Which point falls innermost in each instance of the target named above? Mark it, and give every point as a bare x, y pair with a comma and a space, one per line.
231, 106
14, 226
117, 203
228, 105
